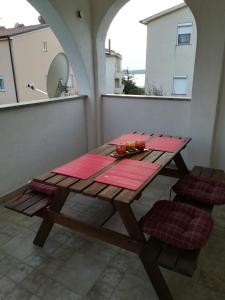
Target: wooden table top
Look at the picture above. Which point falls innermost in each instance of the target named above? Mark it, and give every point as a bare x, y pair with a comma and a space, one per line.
108, 192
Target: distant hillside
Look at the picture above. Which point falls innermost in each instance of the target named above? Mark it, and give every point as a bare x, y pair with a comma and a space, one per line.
134, 71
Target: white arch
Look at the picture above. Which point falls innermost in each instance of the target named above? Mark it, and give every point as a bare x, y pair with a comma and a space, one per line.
101, 33
66, 39
99, 57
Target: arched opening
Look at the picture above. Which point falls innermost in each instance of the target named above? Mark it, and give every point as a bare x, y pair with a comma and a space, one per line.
28, 48
158, 55
176, 70
68, 42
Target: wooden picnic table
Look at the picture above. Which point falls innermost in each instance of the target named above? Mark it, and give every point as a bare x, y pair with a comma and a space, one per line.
119, 198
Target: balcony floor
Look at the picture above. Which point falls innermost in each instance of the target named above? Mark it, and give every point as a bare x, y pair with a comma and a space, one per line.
72, 266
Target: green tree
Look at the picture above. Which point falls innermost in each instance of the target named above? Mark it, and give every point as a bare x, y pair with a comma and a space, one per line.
130, 88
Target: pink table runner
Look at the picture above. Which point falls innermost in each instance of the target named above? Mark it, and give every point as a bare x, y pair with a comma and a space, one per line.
165, 144
129, 174
85, 166
130, 137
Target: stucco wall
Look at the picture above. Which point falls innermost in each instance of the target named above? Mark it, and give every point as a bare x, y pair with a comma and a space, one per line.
218, 147
7, 96
110, 74
84, 39
32, 63
37, 137
207, 78
150, 114
164, 58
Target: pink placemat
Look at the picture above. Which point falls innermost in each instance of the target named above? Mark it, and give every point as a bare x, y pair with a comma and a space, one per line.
128, 174
85, 166
166, 144
129, 137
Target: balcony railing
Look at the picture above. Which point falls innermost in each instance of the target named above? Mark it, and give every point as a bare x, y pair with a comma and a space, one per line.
38, 136
122, 113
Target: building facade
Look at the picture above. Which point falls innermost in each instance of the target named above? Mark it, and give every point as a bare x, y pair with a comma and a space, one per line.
26, 53
170, 54
113, 72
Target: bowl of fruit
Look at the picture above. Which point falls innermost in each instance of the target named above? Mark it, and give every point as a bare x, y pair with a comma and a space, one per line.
129, 148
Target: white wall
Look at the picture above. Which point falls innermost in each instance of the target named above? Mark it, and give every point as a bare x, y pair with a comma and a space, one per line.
207, 79
32, 63
38, 136
218, 148
110, 74
164, 58
121, 114
75, 36
9, 95
84, 41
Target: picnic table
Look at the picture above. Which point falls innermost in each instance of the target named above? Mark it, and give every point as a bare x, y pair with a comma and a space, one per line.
120, 199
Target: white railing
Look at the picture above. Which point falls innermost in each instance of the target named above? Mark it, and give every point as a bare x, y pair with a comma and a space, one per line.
38, 136
123, 113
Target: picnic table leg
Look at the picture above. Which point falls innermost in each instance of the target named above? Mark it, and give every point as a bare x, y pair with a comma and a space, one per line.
56, 205
181, 165
129, 220
148, 255
149, 260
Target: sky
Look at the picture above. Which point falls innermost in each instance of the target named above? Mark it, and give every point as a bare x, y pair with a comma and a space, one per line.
13, 11
128, 36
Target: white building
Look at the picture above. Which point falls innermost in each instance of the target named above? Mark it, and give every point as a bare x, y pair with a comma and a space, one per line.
26, 54
113, 72
171, 46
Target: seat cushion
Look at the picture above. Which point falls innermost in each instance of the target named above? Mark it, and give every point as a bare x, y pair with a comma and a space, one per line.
178, 224
42, 188
201, 189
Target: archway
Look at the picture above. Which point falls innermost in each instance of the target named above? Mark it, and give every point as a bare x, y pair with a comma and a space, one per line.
68, 42
101, 56
189, 58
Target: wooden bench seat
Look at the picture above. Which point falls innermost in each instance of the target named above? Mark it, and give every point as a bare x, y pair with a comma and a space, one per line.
28, 203
207, 173
32, 203
172, 258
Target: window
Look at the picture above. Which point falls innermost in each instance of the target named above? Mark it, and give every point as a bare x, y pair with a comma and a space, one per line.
118, 65
45, 47
117, 83
180, 85
70, 82
184, 32
2, 84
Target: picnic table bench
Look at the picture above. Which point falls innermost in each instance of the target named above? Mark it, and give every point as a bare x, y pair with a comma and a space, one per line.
153, 252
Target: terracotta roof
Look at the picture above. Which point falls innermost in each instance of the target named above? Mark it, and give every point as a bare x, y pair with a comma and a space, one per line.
7, 32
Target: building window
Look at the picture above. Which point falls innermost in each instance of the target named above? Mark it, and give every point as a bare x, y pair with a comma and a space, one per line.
118, 65
2, 84
44, 46
180, 85
70, 82
184, 32
117, 83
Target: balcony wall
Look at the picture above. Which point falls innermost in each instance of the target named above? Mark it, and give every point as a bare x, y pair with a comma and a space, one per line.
165, 115
38, 136
150, 114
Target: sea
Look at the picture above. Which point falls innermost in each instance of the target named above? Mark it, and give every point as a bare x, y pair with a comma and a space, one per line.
139, 79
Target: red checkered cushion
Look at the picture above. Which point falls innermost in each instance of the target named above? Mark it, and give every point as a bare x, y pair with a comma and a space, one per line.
178, 224
201, 189
42, 188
